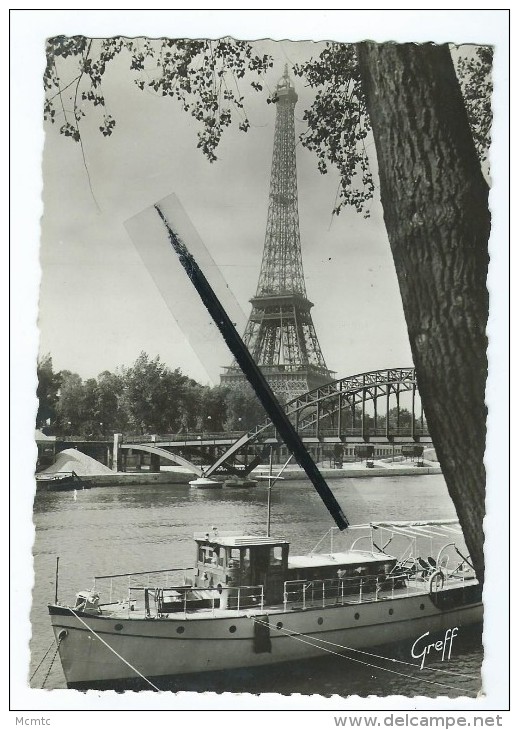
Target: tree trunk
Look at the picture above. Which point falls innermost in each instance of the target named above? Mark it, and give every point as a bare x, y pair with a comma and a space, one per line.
435, 202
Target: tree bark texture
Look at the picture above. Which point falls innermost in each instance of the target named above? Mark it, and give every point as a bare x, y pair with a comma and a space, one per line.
435, 203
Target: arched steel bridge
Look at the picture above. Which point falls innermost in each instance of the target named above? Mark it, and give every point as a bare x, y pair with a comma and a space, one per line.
333, 413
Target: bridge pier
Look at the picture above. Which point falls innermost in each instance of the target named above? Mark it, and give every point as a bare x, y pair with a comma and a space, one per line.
154, 463
117, 463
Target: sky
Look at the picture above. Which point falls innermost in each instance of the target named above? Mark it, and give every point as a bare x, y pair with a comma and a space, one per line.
99, 305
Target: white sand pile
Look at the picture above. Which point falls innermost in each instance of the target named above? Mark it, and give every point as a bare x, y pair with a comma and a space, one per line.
74, 460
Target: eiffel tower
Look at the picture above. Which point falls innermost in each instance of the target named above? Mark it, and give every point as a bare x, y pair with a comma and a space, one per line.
280, 333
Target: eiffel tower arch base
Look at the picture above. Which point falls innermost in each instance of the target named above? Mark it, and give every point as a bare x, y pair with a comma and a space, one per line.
286, 382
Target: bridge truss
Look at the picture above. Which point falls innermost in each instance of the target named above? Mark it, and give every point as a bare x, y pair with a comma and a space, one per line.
335, 413
319, 415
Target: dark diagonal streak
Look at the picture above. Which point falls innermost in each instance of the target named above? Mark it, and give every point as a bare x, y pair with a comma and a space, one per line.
254, 374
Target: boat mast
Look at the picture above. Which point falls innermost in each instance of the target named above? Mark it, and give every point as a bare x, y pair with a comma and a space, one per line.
269, 491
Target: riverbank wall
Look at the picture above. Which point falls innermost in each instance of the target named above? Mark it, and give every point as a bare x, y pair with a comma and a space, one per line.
174, 477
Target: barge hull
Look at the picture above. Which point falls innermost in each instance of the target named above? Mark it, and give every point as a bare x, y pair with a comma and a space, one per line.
198, 644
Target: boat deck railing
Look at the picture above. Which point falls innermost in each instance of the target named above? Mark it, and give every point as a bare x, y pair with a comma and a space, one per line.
148, 596
304, 594
337, 591
119, 584
147, 601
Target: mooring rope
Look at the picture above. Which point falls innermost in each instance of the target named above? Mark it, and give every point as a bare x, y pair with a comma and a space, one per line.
298, 637
42, 660
50, 665
402, 661
391, 659
134, 669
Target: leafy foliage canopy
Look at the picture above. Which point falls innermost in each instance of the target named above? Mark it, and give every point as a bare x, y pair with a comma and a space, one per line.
476, 86
147, 397
204, 77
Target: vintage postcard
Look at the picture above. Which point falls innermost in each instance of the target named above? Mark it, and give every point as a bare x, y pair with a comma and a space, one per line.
262, 461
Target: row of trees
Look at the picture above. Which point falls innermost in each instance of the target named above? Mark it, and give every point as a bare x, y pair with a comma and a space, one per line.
147, 397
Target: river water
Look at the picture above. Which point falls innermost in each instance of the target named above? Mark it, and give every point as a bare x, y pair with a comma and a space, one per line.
136, 528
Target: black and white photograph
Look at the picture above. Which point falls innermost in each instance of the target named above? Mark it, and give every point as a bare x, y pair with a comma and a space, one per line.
260, 376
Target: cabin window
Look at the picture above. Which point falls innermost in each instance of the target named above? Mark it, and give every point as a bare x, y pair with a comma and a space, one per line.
209, 554
276, 555
214, 555
246, 558
234, 558
205, 554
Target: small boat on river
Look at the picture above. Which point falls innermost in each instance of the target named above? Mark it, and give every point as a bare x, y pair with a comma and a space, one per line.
204, 483
247, 602
61, 481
